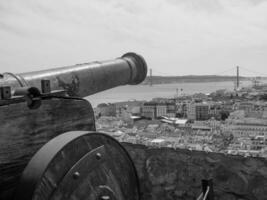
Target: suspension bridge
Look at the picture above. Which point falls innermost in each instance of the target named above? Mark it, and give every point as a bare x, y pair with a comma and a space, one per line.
239, 74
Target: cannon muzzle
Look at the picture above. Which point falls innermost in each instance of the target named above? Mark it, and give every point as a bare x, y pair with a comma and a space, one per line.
83, 79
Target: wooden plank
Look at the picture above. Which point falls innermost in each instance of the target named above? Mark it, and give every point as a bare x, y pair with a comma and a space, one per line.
24, 131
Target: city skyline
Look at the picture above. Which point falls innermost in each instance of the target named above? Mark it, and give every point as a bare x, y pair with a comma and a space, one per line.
175, 37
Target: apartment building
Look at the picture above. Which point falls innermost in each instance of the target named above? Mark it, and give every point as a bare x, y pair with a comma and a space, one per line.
149, 110
154, 110
198, 111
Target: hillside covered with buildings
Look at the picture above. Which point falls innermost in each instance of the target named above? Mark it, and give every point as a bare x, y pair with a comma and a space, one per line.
231, 122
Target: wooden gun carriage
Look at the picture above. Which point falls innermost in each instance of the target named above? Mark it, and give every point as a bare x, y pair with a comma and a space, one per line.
49, 146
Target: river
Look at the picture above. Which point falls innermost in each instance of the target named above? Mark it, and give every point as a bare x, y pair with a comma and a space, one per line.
146, 92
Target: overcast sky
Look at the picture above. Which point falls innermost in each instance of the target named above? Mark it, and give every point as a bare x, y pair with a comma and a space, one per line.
176, 37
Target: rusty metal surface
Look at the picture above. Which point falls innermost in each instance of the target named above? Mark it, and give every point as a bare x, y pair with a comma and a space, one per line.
84, 79
80, 165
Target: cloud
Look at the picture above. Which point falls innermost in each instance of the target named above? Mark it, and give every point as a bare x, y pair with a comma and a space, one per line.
211, 6
179, 36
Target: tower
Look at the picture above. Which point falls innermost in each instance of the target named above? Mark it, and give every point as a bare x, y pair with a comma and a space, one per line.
237, 77
150, 75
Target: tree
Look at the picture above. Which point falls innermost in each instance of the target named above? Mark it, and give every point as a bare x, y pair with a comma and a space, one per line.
263, 97
224, 115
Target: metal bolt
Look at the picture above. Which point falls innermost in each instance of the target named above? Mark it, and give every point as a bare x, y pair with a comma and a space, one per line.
105, 197
98, 156
76, 175
45, 85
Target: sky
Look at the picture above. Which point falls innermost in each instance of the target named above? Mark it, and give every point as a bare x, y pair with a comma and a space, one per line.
176, 37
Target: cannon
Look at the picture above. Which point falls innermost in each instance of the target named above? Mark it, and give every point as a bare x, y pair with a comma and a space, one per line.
49, 146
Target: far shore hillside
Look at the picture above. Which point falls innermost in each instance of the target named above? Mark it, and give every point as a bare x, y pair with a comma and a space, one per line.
194, 79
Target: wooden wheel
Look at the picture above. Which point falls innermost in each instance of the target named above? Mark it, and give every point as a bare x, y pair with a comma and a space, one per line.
80, 165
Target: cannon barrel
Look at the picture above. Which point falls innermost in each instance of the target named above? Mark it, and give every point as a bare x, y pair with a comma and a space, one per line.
84, 79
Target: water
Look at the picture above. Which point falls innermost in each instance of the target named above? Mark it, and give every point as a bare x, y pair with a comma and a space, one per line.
146, 92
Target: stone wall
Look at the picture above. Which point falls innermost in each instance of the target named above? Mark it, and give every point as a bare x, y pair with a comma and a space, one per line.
168, 174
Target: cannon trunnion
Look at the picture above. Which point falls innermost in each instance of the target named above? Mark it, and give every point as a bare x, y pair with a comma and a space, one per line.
49, 147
